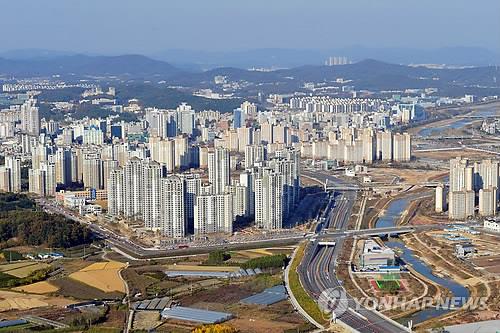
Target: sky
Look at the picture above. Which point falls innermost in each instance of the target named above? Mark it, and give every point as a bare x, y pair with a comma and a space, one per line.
150, 26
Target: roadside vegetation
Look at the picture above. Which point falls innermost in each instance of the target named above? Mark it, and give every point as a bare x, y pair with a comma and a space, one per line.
305, 301
274, 261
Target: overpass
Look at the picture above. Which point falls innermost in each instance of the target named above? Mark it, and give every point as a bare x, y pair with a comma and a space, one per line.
341, 188
329, 234
434, 184
398, 230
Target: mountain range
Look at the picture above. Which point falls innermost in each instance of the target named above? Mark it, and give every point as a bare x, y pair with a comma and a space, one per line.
365, 74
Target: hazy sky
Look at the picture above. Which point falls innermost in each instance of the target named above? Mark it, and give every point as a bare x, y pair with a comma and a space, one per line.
149, 26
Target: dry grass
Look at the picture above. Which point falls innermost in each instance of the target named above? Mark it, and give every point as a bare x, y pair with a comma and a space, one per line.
42, 287
102, 275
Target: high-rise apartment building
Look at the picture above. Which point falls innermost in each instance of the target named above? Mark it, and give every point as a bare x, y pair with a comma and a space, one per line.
13, 165
219, 169
92, 170
269, 200
488, 201
30, 119
461, 205
173, 219
213, 213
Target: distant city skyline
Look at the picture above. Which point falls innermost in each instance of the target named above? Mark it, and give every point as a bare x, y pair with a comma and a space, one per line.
117, 27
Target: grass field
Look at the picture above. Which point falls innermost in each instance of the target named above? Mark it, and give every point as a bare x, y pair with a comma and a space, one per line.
102, 275
387, 284
42, 287
22, 269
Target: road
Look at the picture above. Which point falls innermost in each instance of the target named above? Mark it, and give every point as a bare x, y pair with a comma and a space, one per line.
318, 268
138, 252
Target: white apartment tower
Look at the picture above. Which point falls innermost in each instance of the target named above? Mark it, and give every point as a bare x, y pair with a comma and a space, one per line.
488, 201
30, 119
151, 194
13, 165
440, 199
269, 200
402, 147
213, 213
461, 205
218, 169
92, 170
173, 221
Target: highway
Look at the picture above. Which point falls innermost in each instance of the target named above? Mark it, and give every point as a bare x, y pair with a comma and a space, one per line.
317, 270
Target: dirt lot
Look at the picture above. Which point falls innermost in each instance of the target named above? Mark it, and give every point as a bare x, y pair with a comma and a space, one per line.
405, 176
491, 264
446, 155
146, 320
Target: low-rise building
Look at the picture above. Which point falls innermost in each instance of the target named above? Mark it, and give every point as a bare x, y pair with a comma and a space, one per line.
492, 224
375, 256
464, 250
90, 209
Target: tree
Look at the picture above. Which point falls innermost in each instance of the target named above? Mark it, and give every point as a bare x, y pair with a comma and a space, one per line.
217, 257
215, 328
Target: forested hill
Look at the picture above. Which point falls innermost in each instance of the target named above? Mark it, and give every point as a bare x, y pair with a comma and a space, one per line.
22, 224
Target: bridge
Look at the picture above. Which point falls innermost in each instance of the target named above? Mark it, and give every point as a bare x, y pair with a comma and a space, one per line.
341, 188
434, 184
398, 230
326, 243
329, 234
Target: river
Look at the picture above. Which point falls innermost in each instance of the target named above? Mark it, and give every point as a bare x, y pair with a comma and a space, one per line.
390, 218
458, 124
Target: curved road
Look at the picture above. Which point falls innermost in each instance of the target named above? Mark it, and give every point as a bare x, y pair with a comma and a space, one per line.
318, 268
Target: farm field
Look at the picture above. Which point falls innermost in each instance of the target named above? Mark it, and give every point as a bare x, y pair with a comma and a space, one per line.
42, 287
10, 300
102, 275
22, 269
72, 288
